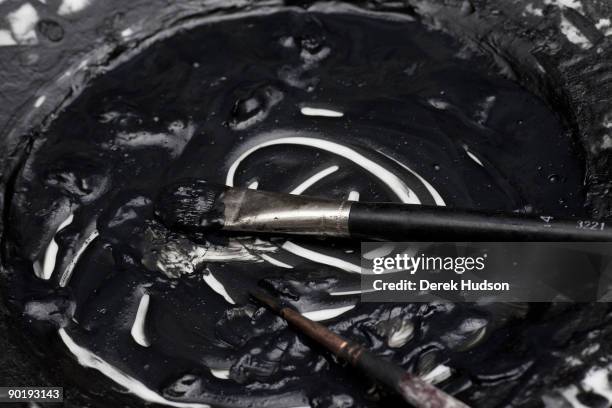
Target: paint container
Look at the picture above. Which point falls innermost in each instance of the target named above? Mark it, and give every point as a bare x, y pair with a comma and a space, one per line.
172, 331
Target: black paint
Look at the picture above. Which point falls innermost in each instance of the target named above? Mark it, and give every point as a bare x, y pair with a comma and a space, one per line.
206, 93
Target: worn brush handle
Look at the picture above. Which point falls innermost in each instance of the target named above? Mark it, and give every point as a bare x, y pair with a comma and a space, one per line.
403, 222
414, 390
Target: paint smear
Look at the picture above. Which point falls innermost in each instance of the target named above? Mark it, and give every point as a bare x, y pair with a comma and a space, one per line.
72, 6
327, 113
23, 24
138, 327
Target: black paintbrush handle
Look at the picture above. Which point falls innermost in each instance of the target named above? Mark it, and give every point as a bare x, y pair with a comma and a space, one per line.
402, 222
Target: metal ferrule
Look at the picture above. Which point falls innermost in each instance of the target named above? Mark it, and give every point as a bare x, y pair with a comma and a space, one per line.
261, 211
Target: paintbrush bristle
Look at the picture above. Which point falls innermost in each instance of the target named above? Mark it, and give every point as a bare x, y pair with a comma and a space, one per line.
191, 205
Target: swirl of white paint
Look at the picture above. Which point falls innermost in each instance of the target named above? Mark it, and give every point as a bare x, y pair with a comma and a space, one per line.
386, 177
397, 185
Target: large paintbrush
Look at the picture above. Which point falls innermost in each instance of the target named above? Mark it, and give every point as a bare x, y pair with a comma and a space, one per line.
413, 390
197, 205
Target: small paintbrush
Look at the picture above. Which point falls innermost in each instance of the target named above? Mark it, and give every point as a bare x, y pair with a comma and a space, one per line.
197, 205
414, 390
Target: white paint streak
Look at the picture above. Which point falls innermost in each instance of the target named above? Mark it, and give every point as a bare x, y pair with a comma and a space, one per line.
253, 185
127, 32
217, 286
23, 24
87, 359
438, 103
6, 38
44, 269
320, 258
404, 193
67, 274
138, 327
313, 179
223, 374
474, 157
325, 314
434, 193
438, 374
72, 6
328, 113
275, 262
41, 99
573, 34
597, 381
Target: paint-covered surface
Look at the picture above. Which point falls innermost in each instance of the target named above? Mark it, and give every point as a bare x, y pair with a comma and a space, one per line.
316, 107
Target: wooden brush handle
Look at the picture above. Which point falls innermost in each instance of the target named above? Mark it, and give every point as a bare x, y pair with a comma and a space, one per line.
413, 389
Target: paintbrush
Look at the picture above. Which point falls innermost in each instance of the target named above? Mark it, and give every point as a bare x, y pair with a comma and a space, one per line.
199, 206
414, 390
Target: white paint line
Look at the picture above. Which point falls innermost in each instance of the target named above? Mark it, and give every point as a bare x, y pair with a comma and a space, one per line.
313, 179
138, 327
326, 314
328, 113
223, 374
399, 188
434, 193
88, 359
67, 274
473, 157
275, 262
40, 101
438, 103
44, 269
320, 258
217, 286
